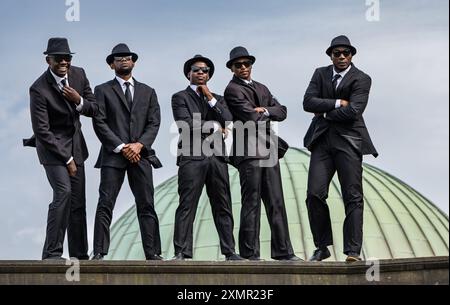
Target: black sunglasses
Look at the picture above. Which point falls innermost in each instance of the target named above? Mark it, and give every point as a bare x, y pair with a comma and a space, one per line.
239, 64
60, 58
338, 53
196, 69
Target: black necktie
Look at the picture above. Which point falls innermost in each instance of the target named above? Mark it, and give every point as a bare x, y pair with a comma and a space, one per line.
128, 95
63, 83
202, 104
335, 81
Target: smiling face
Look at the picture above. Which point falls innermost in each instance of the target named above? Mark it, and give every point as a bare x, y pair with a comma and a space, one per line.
199, 74
242, 68
342, 58
59, 64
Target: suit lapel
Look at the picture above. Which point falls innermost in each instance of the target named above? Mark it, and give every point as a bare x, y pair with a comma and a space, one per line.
329, 82
240, 82
196, 106
346, 79
116, 87
137, 94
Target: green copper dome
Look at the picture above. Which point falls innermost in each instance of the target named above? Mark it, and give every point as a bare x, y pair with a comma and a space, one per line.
398, 221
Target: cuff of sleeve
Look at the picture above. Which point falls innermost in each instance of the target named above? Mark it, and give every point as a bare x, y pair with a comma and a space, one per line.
212, 102
119, 148
80, 106
70, 160
338, 104
216, 127
266, 113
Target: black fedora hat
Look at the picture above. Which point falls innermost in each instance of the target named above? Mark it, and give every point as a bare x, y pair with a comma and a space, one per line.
58, 46
121, 50
341, 41
239, 52
188, 64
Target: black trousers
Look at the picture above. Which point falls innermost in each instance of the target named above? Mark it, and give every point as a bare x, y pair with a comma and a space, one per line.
332, 153
193, 175
140, 179
66, 212
262, 183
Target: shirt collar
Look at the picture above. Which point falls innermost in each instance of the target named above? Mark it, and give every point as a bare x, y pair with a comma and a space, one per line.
122, 81
248, 82
343, 73
194, 87
57, 78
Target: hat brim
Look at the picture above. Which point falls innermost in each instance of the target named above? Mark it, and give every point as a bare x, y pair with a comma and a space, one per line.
230, 62
110, 58
58, 53
352, 48
188, 64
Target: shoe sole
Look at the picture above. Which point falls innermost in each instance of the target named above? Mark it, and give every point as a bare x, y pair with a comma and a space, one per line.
351, 259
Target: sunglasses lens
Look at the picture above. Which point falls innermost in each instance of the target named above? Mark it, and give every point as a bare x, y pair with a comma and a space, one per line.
60, 58
197, 69
346, 53
246, 64
120, 58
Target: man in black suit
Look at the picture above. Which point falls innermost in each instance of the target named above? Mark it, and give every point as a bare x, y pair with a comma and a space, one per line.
251, 102
57, 99
127, 125
338, 139
193, 109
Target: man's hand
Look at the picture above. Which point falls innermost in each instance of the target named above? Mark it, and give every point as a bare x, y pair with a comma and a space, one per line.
71, 95
132, 152
224, 132
72, 168
205, 90
344, 103
260, 110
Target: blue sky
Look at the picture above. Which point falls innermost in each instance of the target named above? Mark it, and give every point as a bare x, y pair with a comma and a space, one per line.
406, 53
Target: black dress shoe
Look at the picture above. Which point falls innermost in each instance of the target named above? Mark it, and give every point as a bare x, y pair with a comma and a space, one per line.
255, 259
98, 257
155, 257
290, 258
234, 257
320, 255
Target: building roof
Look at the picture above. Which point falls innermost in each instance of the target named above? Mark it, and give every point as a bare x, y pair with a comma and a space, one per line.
398, 221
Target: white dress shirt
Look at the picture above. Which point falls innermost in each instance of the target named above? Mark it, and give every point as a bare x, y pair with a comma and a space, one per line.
342, 74
124, 87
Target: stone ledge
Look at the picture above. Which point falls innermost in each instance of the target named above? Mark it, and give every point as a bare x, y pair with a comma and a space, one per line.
433, 270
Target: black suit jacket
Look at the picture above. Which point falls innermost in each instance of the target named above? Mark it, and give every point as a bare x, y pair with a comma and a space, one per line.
115, 123
347, 121
184, 105
242, 99
56, 122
